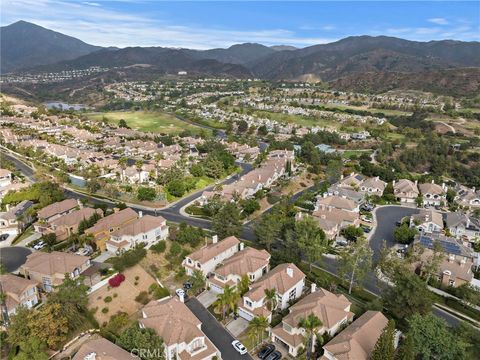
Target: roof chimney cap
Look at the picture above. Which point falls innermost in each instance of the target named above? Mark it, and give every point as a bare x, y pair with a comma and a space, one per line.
290, 272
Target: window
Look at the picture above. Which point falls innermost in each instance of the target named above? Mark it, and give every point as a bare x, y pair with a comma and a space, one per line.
292, 294
252, 276
248, 303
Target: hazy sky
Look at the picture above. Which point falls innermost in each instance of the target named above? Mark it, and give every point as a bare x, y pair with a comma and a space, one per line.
203, 25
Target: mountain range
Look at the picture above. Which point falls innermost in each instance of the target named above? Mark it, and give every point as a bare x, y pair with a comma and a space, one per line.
357, 61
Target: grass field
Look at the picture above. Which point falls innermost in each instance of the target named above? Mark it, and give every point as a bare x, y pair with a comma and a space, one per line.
156, 122
296, 119
349, 153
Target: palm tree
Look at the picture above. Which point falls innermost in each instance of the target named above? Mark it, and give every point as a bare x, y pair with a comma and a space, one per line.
310, 324
197, 280
256, 329
221, 305
227, 301
123, 164
139, 166
271, 299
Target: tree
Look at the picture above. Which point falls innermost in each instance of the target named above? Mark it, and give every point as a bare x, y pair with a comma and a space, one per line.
250, 206
243, 285
50, 325
334, 171
50, 240
123, 124
408, 295
32, 348
385, 347
213, 167
188, 234
431, 264
146, 193
405, 234
405, 350
256, 329
271, 299
351, 233
197, 170
197, 279
226, 301
146, 340
267, 229
468, 293
433, 340
19, 329
310, 324
227, 221
176, 187
310, 239
355, 261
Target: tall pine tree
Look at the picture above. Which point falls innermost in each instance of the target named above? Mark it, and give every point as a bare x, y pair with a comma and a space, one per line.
385, 348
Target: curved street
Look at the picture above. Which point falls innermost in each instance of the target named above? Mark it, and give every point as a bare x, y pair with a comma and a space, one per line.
12, 257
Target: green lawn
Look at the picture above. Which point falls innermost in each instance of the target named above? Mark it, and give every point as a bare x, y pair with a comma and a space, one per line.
296, 119
349, 153
147, 121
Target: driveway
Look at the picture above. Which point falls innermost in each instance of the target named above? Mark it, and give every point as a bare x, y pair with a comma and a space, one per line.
217, 334
13, 257
386, 218
207, 298
236, 327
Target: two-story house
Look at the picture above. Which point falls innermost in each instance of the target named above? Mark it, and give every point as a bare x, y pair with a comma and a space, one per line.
461, 225
433, 194
5, 177
104, 227
18, 291
467, 197
16, 219
406, 191
250, 262
209, 257
55, 210
102, 349
332, 310
288, 282
456, 266
427, 221
358, 340
49, 269
180, 330
147, 230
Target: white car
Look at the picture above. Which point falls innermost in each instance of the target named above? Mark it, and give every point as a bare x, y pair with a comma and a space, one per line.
83, 252
180, 292
366, 219
237, 345
38, 246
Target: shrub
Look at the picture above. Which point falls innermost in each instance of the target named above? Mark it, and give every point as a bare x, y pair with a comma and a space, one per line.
159, 247
158, 292
142, 298
108, 299
105, 310
116, 280
128, 259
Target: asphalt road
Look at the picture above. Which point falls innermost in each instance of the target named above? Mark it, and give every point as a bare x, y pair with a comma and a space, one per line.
13, 257
217, 334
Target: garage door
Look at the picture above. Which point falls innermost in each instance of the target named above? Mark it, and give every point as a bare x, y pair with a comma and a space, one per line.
245, 315
215, 288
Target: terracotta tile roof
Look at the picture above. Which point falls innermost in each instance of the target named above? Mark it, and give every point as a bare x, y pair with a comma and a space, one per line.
338, 202
292, 339
431, 188
14, 286
57, 208
336, 216
75, 217
328, 307
246, 261
359, 338
54, 263
140, 226
113, 220
278, 279
425, 215
104, 350
210, 251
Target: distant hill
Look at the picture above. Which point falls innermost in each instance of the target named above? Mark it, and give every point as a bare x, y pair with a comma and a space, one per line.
25, 45
236, 54
283, 47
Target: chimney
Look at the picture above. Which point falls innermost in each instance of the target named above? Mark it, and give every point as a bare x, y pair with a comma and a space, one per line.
433, 181
140, 214
393, 183
313, 287
242, 246
214, 239
290, 272
416, 182
341, 177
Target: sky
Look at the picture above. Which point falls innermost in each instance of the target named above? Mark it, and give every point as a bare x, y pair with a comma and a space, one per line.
205, 25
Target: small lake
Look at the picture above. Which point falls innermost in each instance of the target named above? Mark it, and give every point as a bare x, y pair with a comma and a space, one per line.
65, 106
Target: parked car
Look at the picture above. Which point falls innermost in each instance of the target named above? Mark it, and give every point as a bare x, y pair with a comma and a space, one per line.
40, 245
366, 229
276, 355
366, 219
187, 285
398, 223
83, 252
237, 345
180, 292
267, 350
3, 237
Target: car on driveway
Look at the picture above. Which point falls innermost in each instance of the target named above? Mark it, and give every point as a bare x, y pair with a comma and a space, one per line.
83, 252
180, 293
3, 237
40, 245
276, 355
267, 350
237, 345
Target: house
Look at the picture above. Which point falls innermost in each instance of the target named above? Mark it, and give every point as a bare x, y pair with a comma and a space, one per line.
405, 191
427, 221
49, 269
15, 220
373, 186
337, 202
251, 262
346, 192
180, 330
104, 227
55, 210
466, 197
102, 349
433, 194
18, 291
461, 225
5, 177
286, 279
209, 257
332, 310
456, 266
334, 212
358, 340
147, 230
67, 225
329, 227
